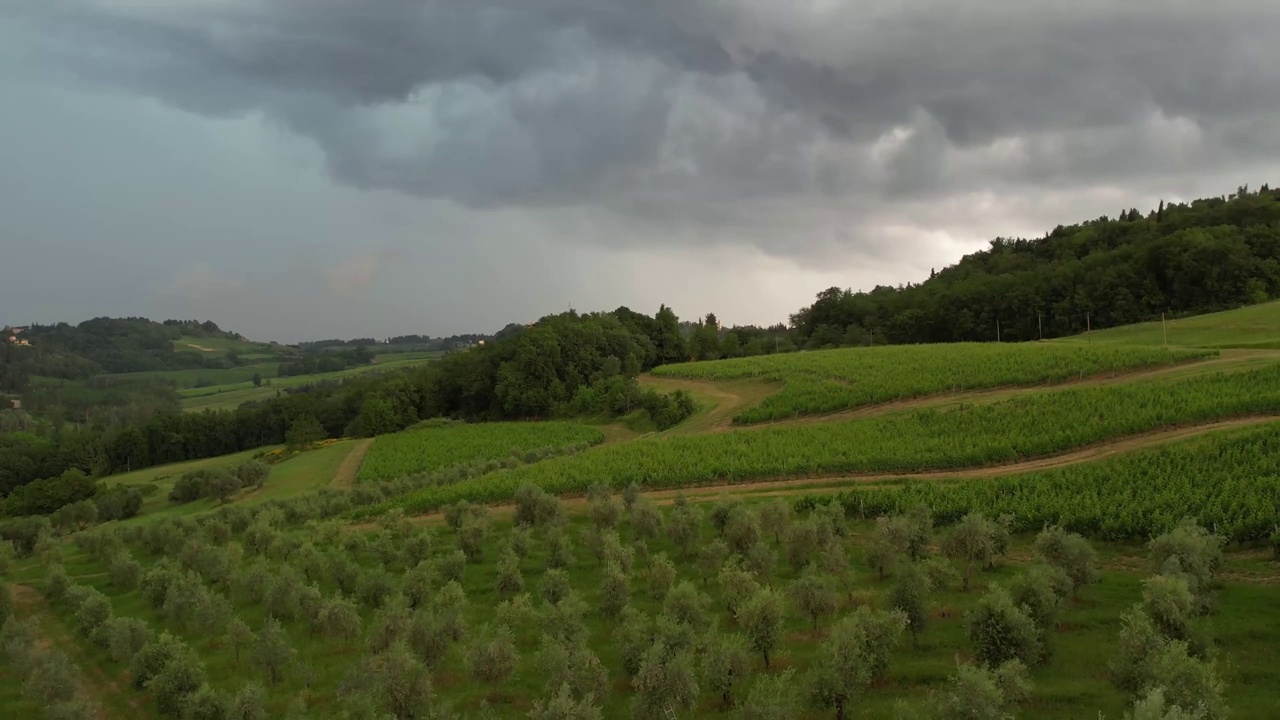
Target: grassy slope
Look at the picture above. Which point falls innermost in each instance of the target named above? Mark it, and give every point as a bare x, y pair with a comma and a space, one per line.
298, 475
1256, 326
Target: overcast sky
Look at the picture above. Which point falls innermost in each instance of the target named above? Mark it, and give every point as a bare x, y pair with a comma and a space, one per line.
300, 169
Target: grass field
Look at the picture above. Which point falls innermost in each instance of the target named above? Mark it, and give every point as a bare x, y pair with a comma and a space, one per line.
222, 346
298, 475
231, 395
1255, 326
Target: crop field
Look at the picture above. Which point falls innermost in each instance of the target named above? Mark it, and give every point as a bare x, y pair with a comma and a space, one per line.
492, 619
1229, 481
827, 381
1255, 326
432, 448
966, 436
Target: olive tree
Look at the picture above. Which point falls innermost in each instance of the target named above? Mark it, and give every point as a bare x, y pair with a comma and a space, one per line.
1069, 552
910, 596
1002, 631
761, 618
972, 543
855, 654
662, 573
615, 592
976, 692
814, 595
272, 651
492, 656
1194, 552
563, 706
772, 697
726, 662
339, 619
666, 679
510, 580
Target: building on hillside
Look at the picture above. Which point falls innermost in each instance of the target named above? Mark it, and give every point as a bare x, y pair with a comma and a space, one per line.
12, 334
15, 403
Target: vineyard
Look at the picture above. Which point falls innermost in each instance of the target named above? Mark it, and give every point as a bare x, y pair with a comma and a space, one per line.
1229, 482
831, 380
967, 436
437, 447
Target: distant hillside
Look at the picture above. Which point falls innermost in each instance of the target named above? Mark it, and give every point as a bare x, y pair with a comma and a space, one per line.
108, 345
1181, 259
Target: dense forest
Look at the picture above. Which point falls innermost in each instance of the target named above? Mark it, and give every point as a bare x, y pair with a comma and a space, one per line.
1182, 259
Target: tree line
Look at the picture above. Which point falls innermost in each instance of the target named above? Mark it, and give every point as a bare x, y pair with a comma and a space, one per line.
1181, 258
568, 364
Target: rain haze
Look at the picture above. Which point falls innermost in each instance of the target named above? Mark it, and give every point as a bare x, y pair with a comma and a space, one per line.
300, 169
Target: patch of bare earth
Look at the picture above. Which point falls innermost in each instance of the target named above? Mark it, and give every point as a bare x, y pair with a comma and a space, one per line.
344, 478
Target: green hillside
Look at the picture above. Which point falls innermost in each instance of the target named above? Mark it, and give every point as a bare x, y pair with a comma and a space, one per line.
1254, 326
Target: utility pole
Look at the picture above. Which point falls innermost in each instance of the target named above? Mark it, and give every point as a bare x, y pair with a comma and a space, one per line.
1040, 324
1164, 328
997, 330
1088, 327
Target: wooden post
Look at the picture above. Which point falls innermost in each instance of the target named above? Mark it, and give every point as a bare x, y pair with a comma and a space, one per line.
1040, 324
1165, 329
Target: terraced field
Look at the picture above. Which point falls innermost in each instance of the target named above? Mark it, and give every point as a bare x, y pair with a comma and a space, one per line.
827, 381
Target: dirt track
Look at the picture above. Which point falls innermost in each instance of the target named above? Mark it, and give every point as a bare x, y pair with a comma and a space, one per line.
835, 482
344, 478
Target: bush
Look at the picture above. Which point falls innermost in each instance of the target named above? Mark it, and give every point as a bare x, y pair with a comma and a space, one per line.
1069, 552
252, 473
975, 692
1002, 631
492, 657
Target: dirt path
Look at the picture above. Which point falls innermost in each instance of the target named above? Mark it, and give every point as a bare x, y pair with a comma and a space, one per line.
344, 478
728, 398
825, 484
201, 348
103, 691
1092, 453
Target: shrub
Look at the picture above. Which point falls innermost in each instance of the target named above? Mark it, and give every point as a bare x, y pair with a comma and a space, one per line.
1070, 552
492, 657
1001, 631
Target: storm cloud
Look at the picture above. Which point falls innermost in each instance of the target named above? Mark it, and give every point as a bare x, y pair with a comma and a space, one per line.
883, 136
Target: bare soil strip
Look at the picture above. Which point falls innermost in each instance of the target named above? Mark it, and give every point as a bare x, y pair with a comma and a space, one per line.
95, 684
344, 478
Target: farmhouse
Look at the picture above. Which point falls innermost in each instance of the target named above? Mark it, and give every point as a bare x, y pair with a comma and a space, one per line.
13, 333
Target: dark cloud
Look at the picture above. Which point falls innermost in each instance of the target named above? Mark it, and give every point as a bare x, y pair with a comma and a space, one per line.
707, 113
